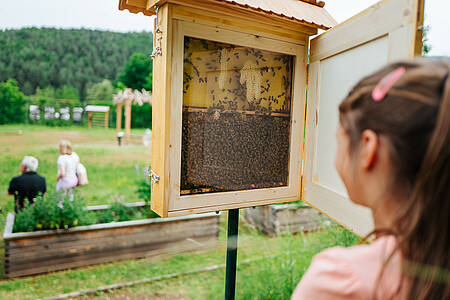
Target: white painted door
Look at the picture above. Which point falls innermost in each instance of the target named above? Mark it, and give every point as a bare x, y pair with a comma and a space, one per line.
383, 33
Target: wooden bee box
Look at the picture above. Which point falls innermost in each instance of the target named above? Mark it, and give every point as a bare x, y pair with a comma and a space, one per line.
232, 126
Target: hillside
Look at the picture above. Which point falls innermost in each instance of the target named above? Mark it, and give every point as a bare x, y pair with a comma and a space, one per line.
39, 57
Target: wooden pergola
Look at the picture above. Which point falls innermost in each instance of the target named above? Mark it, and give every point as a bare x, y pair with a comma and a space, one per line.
125, 98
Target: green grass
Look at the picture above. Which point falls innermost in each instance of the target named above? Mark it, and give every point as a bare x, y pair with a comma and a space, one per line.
113, 176
283, 260
113, 171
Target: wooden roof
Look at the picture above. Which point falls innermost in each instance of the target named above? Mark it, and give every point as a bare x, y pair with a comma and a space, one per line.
307, 12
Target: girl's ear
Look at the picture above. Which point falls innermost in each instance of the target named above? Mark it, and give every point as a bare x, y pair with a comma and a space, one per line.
368, 149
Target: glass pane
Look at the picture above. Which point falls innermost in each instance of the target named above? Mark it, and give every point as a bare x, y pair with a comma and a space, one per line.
236, 118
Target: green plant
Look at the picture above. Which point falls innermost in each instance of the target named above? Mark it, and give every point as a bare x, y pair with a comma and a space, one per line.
116, 213
143, 191
53, 211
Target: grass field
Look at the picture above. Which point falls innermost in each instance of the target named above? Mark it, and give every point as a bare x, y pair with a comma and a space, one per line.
113, 171
277, 266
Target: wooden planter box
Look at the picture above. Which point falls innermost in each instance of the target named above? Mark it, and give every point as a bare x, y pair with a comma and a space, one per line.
274, 219
28, 253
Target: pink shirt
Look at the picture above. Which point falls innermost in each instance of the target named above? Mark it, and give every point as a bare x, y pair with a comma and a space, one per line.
352, 273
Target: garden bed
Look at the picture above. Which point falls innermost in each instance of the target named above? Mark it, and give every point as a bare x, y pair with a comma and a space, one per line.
28, 253
274, 219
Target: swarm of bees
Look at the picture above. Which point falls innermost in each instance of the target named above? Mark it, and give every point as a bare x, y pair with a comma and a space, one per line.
236, 118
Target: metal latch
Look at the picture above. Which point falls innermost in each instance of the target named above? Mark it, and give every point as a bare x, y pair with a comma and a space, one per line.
154, 177
158, 47
150, 173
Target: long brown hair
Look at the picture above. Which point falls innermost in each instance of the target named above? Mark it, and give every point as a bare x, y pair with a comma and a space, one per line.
414, 116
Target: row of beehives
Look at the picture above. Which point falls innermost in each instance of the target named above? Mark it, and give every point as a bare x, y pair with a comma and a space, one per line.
50, 113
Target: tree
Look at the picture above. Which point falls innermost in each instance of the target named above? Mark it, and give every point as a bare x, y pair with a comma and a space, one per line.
12, 103
67, 92
47, 92
73, 57
137, 71
100, 91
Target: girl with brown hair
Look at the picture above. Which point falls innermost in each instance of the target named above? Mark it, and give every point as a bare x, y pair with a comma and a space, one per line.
393, 157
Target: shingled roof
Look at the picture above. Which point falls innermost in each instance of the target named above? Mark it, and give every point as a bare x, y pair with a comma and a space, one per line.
308, 12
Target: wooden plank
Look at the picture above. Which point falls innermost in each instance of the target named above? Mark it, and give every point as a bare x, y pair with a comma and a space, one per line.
127, 120
174, 247
85, 242
125, 224
119, 117
95, 234
32, 260
55, 249
106, 119
89, 119
246, 24
269, 19
137, 3
418, 28
108, 249
168, 249
161, 111
245, 112
372, 23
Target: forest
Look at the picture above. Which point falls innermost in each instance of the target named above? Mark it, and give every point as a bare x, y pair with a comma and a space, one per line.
68, 61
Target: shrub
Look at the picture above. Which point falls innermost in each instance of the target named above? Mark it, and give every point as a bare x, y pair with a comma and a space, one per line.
53, 211
119, 212
12, 103
116, 213
144, 190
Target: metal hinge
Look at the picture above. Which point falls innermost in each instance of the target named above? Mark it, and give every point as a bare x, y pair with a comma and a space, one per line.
154, 177
150, 173
158, 47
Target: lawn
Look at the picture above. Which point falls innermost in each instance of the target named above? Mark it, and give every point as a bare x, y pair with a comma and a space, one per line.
277, 263
113, 171
277, 266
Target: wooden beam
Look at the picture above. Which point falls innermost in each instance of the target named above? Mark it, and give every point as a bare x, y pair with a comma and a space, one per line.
89, 119
152, 3
106, 119
119, 117
137, 3
127, 120
162, 64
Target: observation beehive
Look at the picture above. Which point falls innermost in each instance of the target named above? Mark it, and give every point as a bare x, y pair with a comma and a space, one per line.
232, 126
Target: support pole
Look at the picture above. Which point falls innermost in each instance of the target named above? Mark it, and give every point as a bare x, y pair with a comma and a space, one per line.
106, 119
127, 120
232, 243
89, 119
119, 117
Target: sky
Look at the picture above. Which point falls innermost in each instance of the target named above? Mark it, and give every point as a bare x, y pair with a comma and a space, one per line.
104, 15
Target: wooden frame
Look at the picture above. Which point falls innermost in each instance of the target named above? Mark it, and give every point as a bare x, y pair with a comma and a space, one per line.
361, 47
383, 33
176, 204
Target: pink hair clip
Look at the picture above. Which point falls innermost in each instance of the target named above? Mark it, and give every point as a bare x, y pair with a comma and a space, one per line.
385, 84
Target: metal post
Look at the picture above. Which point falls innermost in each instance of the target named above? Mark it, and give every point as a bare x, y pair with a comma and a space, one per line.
232, 243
